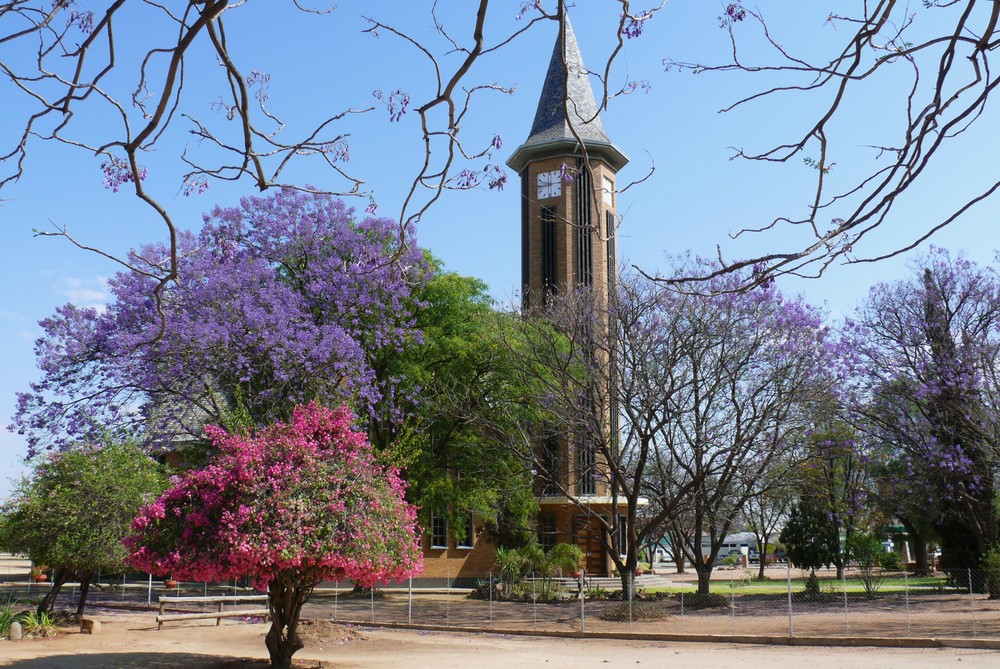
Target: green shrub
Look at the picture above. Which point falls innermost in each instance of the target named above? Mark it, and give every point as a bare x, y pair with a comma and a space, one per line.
890, 561
868, 554
812, 589
7, 616
38, 624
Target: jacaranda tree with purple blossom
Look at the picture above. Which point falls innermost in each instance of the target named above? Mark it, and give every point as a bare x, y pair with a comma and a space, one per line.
928, 384
281, 300
295, 504
755, 364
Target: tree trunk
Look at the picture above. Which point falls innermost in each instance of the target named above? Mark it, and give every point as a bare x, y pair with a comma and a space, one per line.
48, 602
704, 581
628, 584
679, 561
84, 589
285, 600
677, 548
922, 568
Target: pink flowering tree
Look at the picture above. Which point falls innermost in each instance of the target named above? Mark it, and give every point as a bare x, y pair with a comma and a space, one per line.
290, 506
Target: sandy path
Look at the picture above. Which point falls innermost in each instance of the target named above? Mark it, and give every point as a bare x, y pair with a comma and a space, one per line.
132, 642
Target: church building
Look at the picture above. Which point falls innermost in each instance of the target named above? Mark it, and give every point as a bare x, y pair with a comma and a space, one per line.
568, 169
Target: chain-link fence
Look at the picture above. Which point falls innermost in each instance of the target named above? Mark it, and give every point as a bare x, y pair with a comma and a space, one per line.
897, 606
885, 604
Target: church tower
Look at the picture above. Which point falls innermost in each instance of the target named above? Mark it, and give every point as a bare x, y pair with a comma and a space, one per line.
568, 168
568, 193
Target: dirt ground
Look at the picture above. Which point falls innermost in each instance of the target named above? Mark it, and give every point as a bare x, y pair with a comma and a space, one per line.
131, 641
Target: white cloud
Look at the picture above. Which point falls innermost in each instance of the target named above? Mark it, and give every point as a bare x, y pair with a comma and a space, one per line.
11, 316
92, 292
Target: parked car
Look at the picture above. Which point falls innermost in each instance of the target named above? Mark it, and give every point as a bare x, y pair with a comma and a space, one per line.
733, 553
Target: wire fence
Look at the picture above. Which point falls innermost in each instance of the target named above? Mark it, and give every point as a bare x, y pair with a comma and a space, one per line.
896, 605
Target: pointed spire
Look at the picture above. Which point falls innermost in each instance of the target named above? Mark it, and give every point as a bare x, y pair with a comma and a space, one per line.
551, 121
566, 97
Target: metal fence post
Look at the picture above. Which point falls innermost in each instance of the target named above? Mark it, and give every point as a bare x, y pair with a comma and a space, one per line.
583, 601
409, 603
336, 597
631, 593
534, 601
791, 625
149, 591
843, 582
906, 596
447, 598
491, 597
732, 599
372, 591
972, 601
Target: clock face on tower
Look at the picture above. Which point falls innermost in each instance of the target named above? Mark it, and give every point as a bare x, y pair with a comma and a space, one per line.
549, 184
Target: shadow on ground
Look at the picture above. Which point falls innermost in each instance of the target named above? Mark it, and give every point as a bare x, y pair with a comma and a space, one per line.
138, 661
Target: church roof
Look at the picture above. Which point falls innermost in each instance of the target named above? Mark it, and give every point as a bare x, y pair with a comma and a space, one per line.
566, 98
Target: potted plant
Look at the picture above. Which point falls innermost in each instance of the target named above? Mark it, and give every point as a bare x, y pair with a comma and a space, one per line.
38, 574
170, 583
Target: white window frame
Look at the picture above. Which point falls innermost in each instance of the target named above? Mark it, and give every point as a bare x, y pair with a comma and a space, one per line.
434, 519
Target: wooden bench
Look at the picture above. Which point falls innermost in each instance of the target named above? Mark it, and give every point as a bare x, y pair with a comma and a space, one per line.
221, 613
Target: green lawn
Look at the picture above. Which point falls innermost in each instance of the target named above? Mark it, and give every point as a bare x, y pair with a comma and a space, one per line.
780, 586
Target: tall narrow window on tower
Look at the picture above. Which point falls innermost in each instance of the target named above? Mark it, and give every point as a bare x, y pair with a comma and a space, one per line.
548, 252
550, 463
587, 467
584, 232
609, 224
525, 245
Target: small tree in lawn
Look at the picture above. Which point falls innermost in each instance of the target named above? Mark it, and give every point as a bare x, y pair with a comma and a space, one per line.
295, 504
74, 510
811, 541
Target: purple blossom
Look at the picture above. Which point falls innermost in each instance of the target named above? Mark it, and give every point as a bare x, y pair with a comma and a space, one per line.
82, 20
567, 173
396, 103
281, 300
634, 24
734, 13
118, 171
195, 186
262, 81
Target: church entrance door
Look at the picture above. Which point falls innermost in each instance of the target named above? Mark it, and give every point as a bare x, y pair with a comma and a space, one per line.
589, 535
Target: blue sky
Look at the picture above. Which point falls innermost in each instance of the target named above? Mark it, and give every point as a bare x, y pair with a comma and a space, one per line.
320, 65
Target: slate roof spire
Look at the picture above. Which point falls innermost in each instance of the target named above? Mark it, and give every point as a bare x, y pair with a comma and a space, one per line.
566, 97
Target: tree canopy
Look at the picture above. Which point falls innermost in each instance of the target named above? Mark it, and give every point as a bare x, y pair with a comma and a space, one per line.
284, 299
926, 384
290, 506
75, 509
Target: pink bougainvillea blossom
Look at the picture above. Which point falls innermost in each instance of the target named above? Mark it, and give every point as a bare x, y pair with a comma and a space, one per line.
290, 506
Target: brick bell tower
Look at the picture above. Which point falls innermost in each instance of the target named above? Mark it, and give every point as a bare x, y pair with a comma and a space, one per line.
568, 169
567, 210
